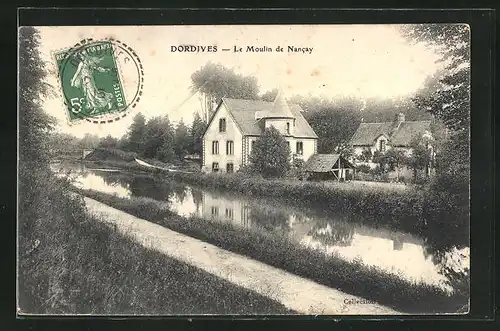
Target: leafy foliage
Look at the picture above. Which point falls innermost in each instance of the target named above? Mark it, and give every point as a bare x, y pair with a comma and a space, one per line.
182, 140
269, 96
271, 154
215, 81
334, 125
345, 149
89, 141
108, 142
448, 98
197, 130
135, 134
159, 139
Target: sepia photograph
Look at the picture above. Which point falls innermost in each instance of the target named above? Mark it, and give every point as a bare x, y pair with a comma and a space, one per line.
244, 170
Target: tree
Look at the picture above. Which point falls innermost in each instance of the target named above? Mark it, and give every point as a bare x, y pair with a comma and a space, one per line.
182, 140
159, 139
447, 96
380, 159
395, 159
366, 155
108, 142
271, 154
34, 124
345, 149
89, 141
197, 130
333, 124
135, 134
215, 81
269, 96
420, 157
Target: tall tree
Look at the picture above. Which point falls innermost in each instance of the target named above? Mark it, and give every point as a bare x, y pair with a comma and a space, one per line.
332, 124
89, 141
34, 124
135, 134
215, 81
269, 96
197, 130
447, 96
35, 187
182, 140
159, 139
271, 154
108, 142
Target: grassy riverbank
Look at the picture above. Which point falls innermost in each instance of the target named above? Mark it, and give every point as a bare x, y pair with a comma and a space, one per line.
438, 216
276, 250
71, 262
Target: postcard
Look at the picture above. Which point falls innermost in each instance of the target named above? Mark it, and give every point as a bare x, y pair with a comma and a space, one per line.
244, 170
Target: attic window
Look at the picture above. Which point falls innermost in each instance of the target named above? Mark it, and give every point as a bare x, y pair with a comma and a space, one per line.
222, 125
288, 127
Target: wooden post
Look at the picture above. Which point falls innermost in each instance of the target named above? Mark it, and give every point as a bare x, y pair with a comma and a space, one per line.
338, 178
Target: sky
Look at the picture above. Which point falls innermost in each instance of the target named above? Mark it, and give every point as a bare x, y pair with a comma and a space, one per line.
365, 61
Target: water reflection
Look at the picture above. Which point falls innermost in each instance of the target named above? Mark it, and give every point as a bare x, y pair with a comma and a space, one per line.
393, 251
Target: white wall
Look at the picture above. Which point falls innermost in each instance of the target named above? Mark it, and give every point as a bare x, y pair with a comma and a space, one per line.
280, 124
213, 134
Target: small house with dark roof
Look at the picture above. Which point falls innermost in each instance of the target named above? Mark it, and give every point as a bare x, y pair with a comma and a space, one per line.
386, 135
329, 167
236, 124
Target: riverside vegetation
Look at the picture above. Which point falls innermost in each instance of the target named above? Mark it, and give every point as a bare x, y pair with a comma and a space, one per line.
273, 248
71, 262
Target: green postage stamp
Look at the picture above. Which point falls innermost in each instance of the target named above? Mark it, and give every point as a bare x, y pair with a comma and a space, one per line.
91, 80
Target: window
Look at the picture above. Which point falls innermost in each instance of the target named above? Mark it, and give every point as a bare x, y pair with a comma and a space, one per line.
215, 166
382, 145
215, 211
253, 144
288, 143
229, 167
300, 148
230, 147
222, 125
215, 147
229, 213
287, 127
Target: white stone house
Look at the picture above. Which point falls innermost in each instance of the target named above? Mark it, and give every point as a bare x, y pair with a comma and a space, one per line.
236, 124
384, 136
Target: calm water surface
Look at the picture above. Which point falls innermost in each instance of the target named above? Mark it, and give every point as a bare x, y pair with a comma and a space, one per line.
397, 252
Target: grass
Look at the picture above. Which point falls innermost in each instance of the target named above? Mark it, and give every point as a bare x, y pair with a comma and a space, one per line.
71, 262
279, 251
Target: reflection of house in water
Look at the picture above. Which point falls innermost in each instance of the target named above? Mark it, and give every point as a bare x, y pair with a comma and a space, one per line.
224, 209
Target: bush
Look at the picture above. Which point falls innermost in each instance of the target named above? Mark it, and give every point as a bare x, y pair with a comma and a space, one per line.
111, 154
363, 168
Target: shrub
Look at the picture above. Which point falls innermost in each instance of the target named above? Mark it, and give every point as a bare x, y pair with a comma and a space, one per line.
111, 154
363, 168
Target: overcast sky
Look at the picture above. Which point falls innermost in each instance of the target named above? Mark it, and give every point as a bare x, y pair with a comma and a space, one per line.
357, 60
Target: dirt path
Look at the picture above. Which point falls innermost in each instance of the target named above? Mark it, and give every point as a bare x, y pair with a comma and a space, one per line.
294, 292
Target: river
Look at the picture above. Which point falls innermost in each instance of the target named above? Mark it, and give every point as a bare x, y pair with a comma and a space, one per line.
400, 253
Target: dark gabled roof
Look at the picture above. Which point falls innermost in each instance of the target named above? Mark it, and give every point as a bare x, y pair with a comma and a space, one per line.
243, 112
368, 132
324, 162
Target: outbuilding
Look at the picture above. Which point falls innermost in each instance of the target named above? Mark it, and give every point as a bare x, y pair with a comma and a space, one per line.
329, 167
